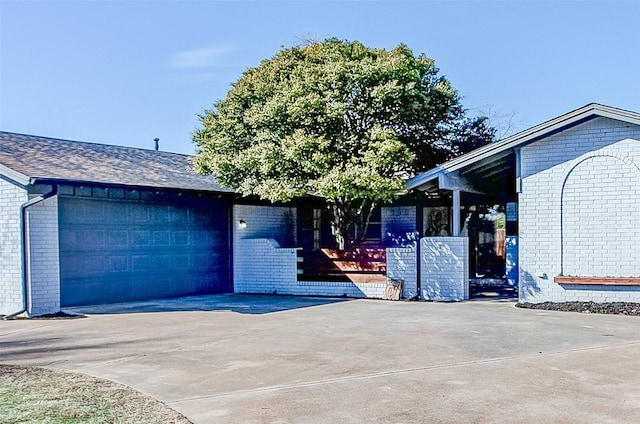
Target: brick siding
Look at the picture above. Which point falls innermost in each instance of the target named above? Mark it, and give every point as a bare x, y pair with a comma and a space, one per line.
578, 209
402, 264
444, 268
11, 198
262, 266
265, 257
264, 254
43, 257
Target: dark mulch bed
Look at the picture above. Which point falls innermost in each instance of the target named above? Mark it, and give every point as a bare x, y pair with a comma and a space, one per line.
617, 308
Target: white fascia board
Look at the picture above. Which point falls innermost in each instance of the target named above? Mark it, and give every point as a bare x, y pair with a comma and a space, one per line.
541, 130
524, 137
454, 182
513, 141
424, 178
621, 115
518, 170
15, 176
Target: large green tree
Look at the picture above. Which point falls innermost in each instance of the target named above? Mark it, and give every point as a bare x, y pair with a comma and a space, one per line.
333, 119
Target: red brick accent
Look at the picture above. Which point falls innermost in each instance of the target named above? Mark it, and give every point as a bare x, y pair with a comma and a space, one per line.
600, 281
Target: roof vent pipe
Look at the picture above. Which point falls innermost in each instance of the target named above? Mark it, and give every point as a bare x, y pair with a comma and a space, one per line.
157, 140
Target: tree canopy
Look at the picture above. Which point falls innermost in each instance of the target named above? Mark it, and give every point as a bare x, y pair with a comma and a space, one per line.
338, 120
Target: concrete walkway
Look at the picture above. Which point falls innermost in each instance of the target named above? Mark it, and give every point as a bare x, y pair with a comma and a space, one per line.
272, 359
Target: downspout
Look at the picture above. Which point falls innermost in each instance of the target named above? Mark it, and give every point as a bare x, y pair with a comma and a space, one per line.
419, 224
418, 282
23, 247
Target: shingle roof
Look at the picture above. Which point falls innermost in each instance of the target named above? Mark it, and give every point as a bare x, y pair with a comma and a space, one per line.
27, 158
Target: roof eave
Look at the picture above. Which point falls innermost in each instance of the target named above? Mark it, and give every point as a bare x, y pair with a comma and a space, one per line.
560, 123
18, 178
530, 135
57, 180
424, 178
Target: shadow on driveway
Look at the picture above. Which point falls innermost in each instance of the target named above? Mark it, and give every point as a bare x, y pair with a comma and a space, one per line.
240, 303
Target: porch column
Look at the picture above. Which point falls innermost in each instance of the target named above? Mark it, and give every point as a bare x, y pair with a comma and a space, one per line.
455, 225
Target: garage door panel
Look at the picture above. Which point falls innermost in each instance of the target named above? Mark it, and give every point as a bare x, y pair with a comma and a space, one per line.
140, 238
116, 251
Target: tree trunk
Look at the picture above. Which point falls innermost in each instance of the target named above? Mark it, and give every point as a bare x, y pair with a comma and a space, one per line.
342, 219
339, 225
367, 219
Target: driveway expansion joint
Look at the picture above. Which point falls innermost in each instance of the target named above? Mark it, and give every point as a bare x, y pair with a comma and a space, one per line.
394, 372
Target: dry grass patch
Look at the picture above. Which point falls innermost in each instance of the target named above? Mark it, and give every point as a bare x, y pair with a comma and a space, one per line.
38, 395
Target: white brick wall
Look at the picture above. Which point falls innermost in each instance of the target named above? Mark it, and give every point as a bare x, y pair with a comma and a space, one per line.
600, 199
272, 222
261, 266
337, 289
265, 257
43, 257
264, 267
579, 212
444, 268
402, 264
11, 198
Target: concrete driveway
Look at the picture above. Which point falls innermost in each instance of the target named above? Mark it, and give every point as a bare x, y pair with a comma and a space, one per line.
273, 359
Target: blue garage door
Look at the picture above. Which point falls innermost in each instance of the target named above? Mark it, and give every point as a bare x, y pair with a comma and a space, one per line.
118, 250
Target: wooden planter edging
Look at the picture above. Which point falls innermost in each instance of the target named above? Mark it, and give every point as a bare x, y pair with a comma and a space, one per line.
598, 281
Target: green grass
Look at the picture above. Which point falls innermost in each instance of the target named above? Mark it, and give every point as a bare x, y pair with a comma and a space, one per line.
43, 396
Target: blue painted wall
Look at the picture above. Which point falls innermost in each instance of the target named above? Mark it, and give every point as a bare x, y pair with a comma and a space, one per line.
512, 260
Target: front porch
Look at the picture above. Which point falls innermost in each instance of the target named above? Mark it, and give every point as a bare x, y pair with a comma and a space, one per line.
289, 250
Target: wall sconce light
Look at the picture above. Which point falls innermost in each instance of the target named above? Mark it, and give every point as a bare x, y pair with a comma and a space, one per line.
242, 224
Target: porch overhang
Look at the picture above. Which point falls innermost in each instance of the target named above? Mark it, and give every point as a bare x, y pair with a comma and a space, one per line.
495, 168
493, 175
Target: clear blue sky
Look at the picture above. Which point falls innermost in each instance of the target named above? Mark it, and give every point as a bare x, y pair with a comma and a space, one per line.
124, 72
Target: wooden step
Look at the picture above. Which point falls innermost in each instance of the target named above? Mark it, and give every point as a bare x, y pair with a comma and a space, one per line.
361, 265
